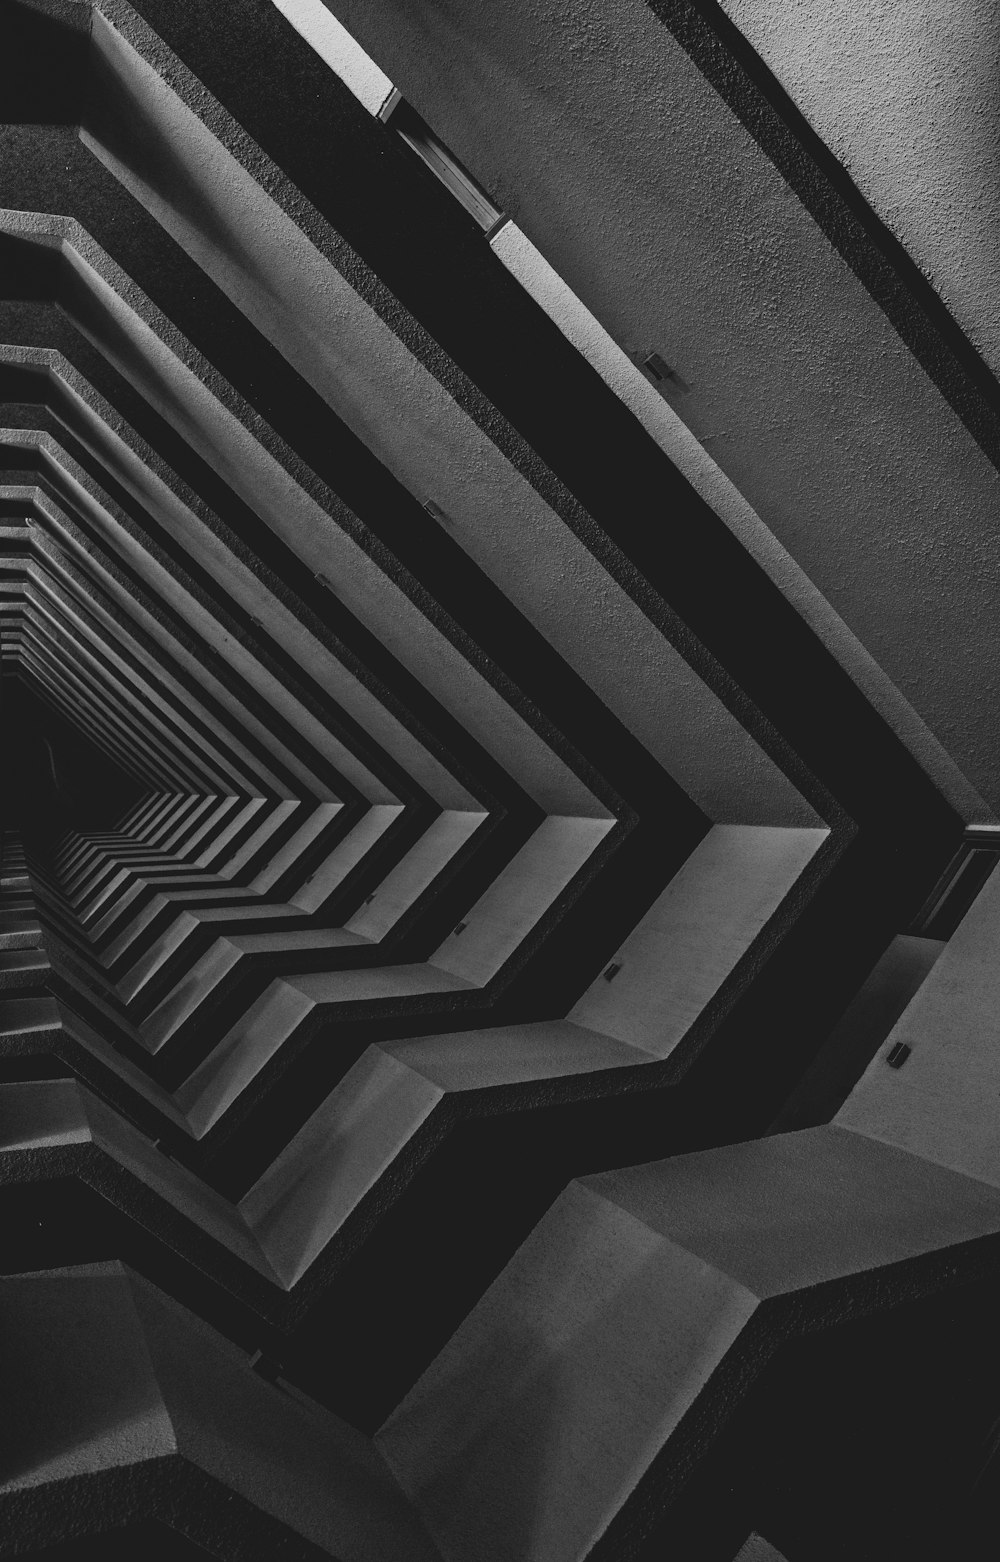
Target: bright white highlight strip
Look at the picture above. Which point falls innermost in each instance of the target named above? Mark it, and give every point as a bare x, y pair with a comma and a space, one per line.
334, 45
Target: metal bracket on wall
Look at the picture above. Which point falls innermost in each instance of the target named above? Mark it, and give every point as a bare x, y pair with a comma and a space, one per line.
659, 371
265, 1366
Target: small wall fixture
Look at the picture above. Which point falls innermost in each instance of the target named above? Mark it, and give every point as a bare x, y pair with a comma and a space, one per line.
264, 1366
898, 1055
658, 370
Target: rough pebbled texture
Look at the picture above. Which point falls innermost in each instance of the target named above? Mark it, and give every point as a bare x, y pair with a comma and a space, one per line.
904, 95
799, 385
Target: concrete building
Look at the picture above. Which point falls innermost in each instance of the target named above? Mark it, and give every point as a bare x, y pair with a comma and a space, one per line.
500, 628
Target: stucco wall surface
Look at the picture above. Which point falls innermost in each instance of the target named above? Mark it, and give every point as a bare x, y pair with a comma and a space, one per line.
282, 281
904, 92
600, 138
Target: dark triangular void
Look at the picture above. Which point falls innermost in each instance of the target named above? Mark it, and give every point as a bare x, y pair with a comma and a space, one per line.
54, 778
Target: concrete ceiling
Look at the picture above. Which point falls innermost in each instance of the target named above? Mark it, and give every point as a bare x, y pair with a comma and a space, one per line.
597, 131
508, 770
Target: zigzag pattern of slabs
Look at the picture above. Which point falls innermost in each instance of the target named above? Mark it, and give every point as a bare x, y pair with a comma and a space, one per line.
475, 841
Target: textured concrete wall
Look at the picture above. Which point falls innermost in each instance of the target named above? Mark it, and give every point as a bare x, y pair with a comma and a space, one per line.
905, 95
276, 273
552, 1398
602, 140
